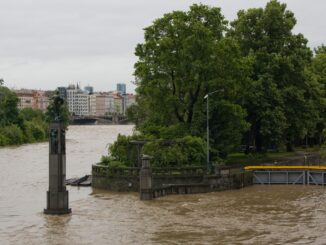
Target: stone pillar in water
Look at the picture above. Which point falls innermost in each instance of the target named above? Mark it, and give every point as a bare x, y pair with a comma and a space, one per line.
145, 181
57, 195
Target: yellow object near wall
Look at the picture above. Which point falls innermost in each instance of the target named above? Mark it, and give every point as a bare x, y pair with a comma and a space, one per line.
286, 167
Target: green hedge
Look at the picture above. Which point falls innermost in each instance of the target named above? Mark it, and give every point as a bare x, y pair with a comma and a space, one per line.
188, 150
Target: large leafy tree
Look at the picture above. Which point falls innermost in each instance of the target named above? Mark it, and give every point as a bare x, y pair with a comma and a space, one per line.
319, 66
281, 100
317, 72
185, 56
8, 107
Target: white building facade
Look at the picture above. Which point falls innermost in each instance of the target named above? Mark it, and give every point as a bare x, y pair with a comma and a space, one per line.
78, 101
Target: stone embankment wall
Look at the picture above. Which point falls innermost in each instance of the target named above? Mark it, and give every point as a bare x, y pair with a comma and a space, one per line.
193, 179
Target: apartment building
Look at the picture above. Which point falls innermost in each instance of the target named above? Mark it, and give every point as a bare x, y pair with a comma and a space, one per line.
117, 103
41, 100
100, 104
129, 99
35, 99
78, 101
88, 103
92, 104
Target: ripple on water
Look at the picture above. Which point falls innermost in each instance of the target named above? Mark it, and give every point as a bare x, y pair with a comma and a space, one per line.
254, 215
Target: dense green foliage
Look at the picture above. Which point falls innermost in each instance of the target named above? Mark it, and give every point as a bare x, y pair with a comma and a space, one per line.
58, 110
282, 102
271, 85
184, 57
8, 107
188, 150
19, 126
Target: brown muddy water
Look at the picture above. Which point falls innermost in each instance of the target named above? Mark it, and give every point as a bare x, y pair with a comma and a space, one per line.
255, 215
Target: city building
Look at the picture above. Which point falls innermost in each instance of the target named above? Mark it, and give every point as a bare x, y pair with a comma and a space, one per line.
92, 104
100, 104
35, 99
130, 100
78, 101
25, 98
62, 92
41, 100
89, 89
109, 104
118, 103
89, 103
121, 88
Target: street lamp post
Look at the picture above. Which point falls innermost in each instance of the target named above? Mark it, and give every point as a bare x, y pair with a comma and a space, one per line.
207, 127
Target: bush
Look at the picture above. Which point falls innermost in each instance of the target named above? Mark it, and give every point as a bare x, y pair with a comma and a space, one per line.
28, 114
14, 134
188, 150
111, 162
123, 151
35, 130
3, 140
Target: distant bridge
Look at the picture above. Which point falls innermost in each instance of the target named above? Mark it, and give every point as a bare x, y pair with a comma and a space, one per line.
315, 175
114, 119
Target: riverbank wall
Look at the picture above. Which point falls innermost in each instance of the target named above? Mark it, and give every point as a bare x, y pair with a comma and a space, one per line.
176, 180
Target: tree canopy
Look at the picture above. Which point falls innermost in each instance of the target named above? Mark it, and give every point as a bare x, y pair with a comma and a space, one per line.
19, 126
273, 85
185, 56
57, 110
8, 107
282, 101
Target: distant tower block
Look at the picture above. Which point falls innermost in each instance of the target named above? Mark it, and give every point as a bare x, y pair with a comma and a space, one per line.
57, 196
121, 88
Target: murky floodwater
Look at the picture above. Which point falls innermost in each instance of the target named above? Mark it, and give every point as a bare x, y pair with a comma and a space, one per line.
254, 215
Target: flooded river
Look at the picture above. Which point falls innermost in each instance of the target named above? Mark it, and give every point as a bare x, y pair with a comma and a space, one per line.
254, 215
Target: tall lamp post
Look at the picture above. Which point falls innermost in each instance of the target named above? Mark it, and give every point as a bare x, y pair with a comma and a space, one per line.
207, 121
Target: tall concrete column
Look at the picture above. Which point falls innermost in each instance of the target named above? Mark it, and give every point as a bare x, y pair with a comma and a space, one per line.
57, 195
145, 175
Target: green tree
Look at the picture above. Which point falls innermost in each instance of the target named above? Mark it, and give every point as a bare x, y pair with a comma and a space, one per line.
280, 101
19, 126
12, 134
8, 107
29, 114
184, 57
57, 110
319, 65
317, 73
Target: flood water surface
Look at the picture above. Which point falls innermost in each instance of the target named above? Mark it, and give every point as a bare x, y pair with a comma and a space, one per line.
255, 215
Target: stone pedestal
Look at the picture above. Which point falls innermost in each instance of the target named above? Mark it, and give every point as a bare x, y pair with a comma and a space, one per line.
57, 195
145, 181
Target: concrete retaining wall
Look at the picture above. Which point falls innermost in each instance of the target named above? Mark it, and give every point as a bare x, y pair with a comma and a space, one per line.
195, 183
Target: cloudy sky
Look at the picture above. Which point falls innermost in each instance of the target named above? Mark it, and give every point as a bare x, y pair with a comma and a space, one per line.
50, 43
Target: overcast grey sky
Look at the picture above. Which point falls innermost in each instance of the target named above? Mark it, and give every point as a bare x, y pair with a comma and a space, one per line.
45, 44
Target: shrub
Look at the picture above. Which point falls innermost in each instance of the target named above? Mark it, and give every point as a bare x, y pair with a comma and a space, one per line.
188, 150
123, 150
3, 140
28, 114
111, 162
37, 131
34, 131
14, 134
